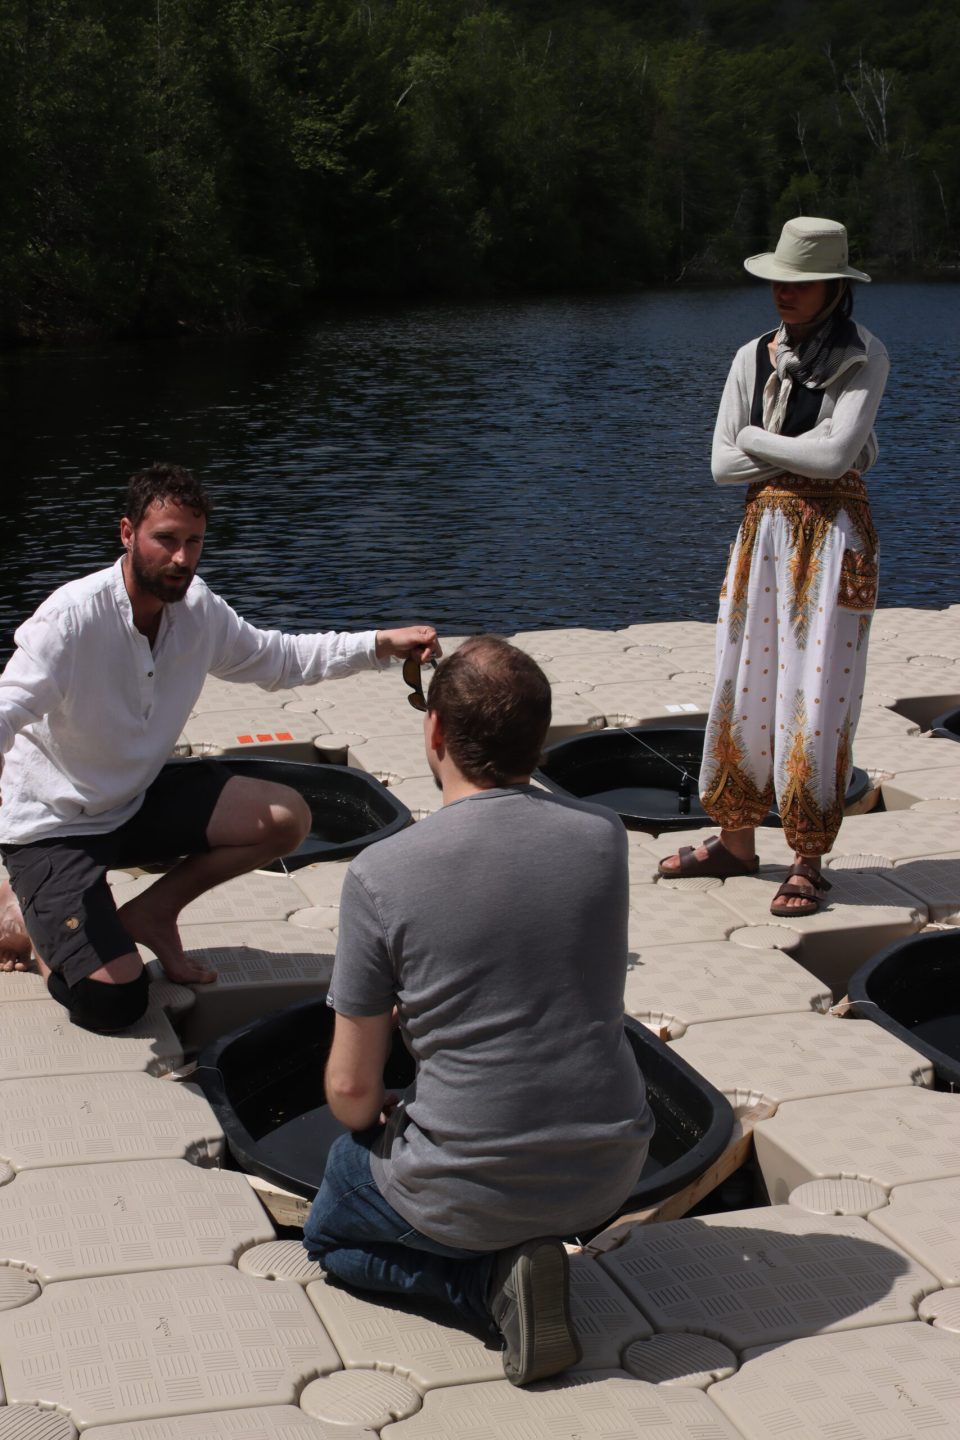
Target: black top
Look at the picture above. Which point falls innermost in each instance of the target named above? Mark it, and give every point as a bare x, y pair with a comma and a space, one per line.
803, 406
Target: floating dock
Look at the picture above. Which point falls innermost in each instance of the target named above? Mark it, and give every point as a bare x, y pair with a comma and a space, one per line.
145, 1295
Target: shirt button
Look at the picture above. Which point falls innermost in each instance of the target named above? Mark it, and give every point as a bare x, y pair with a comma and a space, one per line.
149, 674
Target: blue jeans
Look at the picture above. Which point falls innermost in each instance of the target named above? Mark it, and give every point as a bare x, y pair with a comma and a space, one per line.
355, 1235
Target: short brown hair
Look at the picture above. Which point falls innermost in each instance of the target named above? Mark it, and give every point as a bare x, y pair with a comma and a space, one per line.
161, 481
493, 702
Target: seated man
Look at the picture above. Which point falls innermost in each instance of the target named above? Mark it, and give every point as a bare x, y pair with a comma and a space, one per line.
498, 929
92, 703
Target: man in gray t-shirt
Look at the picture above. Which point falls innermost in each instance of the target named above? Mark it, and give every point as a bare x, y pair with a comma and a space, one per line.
497, 928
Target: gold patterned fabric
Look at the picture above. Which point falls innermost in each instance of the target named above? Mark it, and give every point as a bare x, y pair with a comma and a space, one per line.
792, 633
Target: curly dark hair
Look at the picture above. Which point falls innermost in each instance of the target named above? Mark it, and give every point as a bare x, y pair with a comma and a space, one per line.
161, 481
493, 701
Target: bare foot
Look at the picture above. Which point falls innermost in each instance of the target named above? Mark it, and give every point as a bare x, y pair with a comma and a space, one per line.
798, 902
160, 934
15, 949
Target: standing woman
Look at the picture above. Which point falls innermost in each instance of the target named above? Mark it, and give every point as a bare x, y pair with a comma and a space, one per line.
795, 425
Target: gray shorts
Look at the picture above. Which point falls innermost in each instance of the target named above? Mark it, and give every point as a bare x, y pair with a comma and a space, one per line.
68, 907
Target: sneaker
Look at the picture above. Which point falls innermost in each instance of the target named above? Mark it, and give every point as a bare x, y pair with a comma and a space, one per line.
530, 1304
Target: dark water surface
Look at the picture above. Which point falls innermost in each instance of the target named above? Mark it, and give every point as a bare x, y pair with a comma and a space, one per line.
499, 466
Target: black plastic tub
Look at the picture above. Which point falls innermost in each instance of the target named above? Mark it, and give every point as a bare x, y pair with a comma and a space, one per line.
350, 809
265, 1083
912, 989
947, 725
648, 776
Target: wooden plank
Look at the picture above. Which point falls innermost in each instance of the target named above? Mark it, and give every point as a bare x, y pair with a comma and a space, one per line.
673, 1207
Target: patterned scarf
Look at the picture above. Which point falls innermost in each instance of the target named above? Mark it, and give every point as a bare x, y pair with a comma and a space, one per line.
814, 356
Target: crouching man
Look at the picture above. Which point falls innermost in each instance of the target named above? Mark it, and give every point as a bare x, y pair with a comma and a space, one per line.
498, 929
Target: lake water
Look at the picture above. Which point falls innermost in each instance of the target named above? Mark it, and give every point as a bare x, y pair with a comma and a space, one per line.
497, 466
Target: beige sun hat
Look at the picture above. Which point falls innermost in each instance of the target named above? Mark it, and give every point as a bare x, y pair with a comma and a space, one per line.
809, 248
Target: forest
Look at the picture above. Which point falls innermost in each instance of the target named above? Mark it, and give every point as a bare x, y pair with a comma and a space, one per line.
174, 166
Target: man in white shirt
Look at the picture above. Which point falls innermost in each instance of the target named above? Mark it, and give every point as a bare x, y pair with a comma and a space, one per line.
92, 702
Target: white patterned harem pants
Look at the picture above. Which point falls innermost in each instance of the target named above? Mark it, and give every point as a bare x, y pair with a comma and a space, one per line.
792, 634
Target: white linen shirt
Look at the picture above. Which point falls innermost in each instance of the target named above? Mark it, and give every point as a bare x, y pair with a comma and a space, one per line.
89, 714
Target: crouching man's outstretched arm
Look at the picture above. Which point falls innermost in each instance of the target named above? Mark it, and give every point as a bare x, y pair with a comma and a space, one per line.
354, 1074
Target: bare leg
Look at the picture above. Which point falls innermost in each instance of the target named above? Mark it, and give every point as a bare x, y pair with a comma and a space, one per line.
15, 947
741, 843
253, 823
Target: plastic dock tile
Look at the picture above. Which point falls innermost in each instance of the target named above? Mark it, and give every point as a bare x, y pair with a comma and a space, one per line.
370, 1398
283, 734
261, 968
423, 1344
922, 1219
16, 1287
680, 1360
604, 1320
248, 898
420, 795
839, 1197
37, 1038
892, 1383
320, 885
89, 1119
669, 917
645, 702
22, 985
936, 783
28, 1422
269, 1422
693, 984
610, 1406
942, 1309
861, 914
391, 758
887, 1137
933, 883
72, 1222
790, 1057
755, 1277
162, 1343
280, 1260
898, 835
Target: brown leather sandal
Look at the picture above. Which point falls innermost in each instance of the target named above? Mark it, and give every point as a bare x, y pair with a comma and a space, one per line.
788, 891
721, 863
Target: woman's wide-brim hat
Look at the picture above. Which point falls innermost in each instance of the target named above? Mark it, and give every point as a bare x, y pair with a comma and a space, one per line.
809, 248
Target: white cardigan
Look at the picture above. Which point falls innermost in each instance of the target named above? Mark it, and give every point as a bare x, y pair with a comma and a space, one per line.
841, 440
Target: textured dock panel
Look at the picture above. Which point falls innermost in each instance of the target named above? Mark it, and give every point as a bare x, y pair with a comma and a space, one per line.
67, 1223
425, 1344
419, 794
889, 1137
861, 913
838, 1197
260, 895
922, 1219
26, 1422
320, 885
16, 1287
282, 733
261, 968
22, 985
86, 1119
659, 916
897, 834
756, 1277
360, 1398
679, 1360
934, 882
644, 702
693, 984
280, 1260
942, 1309
603, 1317
269, 1422
937, 783
392, 758
162, 1343
891, 1383
788, 1057
608, 1406
772, 936
37, 1038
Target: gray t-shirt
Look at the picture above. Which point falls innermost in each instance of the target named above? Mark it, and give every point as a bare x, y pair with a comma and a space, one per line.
499, 927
